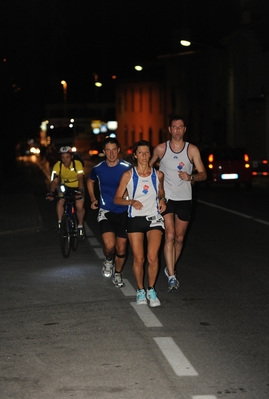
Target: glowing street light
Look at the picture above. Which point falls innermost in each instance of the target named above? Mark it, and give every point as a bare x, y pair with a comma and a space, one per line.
185, 43
138, 68
63, 82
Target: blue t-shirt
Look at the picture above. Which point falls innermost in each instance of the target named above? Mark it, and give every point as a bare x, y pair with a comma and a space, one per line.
108, 180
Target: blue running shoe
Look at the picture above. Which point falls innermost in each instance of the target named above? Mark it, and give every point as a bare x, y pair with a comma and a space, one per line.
167, 274
141, 297
173, 284
153, 299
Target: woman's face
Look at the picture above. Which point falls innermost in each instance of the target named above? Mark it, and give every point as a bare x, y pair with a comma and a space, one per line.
142, 154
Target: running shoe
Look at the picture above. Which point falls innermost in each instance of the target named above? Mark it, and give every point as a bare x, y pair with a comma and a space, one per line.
173, 284
108, 267
141, 297
117, 280
81, 233
167, 274
153, 299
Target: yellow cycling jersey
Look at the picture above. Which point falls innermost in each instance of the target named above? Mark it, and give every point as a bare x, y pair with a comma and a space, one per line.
68, 176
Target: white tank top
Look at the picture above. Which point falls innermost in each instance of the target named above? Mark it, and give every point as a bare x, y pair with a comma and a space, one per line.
170, 164
145, 190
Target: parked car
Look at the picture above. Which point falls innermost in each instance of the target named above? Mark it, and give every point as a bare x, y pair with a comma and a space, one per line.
96, 152
227, 165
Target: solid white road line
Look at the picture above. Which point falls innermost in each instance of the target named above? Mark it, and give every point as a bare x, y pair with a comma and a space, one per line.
146, 315
234, 212
175, 357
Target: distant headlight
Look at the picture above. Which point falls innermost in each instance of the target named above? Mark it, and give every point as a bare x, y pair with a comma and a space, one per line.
34, 150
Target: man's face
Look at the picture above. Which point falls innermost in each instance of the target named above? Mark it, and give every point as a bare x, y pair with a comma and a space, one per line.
66, 159
111, 152
177, 129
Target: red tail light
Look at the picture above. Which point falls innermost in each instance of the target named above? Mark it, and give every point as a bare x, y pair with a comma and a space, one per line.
210, 158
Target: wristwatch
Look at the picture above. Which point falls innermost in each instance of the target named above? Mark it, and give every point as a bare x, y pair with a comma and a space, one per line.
192, 177
165, 200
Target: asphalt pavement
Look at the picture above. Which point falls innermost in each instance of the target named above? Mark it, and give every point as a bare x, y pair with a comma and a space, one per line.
68, 332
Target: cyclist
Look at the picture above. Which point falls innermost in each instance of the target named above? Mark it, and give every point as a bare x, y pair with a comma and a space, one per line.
69, 172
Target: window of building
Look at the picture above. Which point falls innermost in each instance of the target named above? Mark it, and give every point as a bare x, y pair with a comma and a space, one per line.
125, 100
119, 105
125, 136
132, 99
133, 136
150, 135
161, 100
141, 99
150, 100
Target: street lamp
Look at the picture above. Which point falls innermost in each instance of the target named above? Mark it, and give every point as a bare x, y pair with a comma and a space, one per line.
63, 82
185, 43
138, 68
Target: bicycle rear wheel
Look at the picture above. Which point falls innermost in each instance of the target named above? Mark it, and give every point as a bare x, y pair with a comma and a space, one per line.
74, 235
65, 236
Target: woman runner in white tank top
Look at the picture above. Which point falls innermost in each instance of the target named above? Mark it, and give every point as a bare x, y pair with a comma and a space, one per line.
145, 202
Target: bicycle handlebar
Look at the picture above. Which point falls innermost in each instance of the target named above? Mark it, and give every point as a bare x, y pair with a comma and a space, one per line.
71, 197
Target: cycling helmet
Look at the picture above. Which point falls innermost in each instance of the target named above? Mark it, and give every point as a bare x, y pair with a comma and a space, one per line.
64, 150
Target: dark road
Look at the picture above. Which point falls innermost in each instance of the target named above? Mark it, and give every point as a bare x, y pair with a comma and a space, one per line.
67, 332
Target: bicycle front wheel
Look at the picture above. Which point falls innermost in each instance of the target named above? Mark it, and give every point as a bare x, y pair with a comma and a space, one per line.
74, 235
65, 236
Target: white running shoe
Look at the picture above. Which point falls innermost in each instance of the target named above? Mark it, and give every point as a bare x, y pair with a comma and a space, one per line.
108, 268
117, 280
141, 297
153, 299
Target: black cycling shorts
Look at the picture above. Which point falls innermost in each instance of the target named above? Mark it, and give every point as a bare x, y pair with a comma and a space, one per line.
139, 224
180, 208
114, 223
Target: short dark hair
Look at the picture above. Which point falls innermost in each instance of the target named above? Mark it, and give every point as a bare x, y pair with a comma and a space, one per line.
111, 140
176, 118
144, 143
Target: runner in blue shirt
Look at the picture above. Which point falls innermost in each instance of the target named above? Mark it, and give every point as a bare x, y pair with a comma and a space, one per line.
112, 218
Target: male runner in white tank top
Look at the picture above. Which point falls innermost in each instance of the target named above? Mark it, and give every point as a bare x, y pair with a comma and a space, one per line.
177, 160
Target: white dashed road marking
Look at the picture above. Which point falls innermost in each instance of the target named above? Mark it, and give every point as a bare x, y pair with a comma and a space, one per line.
146, 315
204, 397
128, 289
175, 357
168, 347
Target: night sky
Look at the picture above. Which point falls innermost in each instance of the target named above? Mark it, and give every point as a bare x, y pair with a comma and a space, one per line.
43, 42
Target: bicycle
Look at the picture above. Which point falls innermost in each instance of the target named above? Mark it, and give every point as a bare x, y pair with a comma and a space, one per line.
69, 223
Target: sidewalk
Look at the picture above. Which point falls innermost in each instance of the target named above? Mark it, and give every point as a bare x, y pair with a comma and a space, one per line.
19, 211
